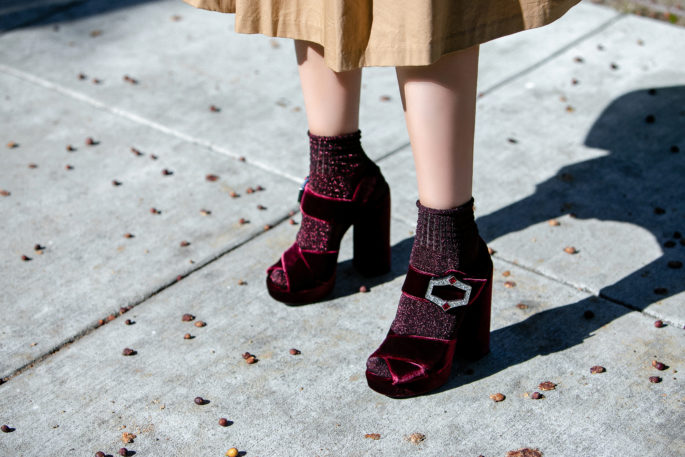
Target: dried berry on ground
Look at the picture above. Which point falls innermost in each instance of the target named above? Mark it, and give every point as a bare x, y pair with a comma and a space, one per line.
123, 451
199, 401
99, 454
136, 151
416, 438
12, 145
200, 324
554, 222
224, 422
524, 452
547, 385
33, 165
498, 397
116, 183
214, 108
205, 212
506, 273
292, 222
522, 306
6, 428
5, 193
658, 324
211, 177
654, 379
536, 396
184, 243
658, 365
250, 360
363, 289
570, 250
90, 141
509, 284
25, 258
373, 436
243, 221
128, 322
128, 351
187, 336
294, 351
167, 172
128, 235
597, 369
233, 452
187, 317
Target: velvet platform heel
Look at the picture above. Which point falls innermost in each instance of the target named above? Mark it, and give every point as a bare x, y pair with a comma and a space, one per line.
310, 274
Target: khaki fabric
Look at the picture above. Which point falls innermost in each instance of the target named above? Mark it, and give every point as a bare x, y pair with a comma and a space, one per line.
364, 33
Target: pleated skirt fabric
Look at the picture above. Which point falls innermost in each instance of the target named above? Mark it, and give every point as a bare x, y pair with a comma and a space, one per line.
366, 33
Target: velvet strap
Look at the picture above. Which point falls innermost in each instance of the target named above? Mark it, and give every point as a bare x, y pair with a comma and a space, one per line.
416, 284
412, 357
299, 266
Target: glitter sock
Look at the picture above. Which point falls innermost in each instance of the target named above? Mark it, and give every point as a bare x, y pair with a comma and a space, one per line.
336, 165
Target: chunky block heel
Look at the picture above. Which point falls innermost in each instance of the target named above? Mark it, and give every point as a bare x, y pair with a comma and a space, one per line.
372, 238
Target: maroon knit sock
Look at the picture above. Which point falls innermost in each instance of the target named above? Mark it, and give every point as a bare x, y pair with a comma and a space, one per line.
336, 165
445, 240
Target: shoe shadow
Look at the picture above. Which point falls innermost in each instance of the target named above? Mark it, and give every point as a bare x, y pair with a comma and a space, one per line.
640, 182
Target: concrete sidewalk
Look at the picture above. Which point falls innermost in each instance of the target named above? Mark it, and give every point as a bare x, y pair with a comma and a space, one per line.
582, 122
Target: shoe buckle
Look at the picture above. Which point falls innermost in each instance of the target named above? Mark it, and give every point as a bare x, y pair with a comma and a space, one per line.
449, 280
300, 194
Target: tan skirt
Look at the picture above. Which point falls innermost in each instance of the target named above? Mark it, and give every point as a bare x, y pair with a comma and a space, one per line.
367, 33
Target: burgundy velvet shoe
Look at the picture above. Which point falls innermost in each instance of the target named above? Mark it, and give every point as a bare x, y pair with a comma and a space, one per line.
407, 365
310, 274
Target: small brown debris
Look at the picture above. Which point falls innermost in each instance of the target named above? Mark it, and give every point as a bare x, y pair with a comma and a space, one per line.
658, 365
116, 183
416, 438
25, 258
675, 264
136, 151
654, 379
570, 250
250, 360
233, 452
574, 81
214, 108
249, 190
267, 227
128, 322
71, 148
597, 369
12, 145
167, 172
128, 351
96, 32
82, 76
259, 188
187, 336
68, 167
200, 401
498, 397
242, 282
38, 247
522, 306
176, 18
224, 422
90, 141
211, 177
491, 251
292, 222
554, 222
128, 235
547, 385
123, 451
5, 193
205, 212
659, 323
243, 221
233, 194
155, 211
184, 243
660, 291
179, 277
373, 436
588, 314
242, 159
246, 355
153, 156
363, 289
385, 98
524, 452
570, 109
613, 66
6, 428
512, 140
509, 284
537, 396
187, 317
130, 80
294, 351
291, 213
200, 324
506, 273
261, 207
578, 59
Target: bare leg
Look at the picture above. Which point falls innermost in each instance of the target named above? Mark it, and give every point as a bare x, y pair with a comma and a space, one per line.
331, 99
439, 102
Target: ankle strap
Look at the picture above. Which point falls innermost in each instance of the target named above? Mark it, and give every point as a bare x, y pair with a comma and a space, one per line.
423, 285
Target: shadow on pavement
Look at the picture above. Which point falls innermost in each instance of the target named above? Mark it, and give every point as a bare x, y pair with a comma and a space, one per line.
16, 14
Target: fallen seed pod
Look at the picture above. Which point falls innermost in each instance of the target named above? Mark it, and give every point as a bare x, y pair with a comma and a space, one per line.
498, 397
128, 352
224, 422
187, 317
547, 385
537, 396
200, 401
597, 369
654, 379
294, 351
200, 324
658, 324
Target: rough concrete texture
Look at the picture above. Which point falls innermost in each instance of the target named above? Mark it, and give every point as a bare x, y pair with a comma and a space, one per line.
583, 153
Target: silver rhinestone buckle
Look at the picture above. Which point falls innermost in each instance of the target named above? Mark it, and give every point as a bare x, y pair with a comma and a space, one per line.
448, 281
